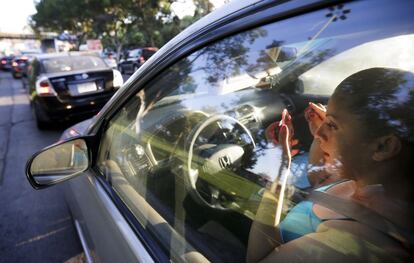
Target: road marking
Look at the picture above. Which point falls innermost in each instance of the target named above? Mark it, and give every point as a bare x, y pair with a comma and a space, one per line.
39, 237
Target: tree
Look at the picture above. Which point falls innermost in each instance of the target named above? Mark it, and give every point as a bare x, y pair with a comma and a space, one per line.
62, 15
203, 7
118, 23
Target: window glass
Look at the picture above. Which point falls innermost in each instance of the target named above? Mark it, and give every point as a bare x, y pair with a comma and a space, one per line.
134, 53
197, 157
71, 63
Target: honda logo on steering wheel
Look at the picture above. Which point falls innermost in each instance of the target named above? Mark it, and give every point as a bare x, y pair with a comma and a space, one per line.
224, 161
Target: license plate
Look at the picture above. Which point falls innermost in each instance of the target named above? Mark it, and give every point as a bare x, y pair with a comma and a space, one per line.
86, 87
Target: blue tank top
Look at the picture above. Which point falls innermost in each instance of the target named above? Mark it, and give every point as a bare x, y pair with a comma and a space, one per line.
301, 220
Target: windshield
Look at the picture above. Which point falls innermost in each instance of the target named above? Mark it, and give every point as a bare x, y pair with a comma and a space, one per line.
72, 63
261, 59
134, 53
394, 54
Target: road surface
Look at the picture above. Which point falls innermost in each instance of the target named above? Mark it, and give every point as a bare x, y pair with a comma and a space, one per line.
35, 226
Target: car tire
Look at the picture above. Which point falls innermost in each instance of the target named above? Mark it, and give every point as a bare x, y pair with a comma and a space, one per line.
41, 124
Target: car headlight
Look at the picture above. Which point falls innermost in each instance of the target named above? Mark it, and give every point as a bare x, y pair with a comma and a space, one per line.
118, 80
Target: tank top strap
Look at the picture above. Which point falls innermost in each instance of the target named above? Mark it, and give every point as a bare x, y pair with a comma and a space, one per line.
328, 186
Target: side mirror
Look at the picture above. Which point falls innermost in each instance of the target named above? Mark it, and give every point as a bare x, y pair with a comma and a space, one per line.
58, 163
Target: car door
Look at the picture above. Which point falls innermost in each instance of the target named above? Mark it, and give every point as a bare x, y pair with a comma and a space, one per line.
183, 160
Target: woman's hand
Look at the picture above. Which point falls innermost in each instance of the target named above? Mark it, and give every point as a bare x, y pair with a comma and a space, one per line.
273, 133
315, 114
286, 141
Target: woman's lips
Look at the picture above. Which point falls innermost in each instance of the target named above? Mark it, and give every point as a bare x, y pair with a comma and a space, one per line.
326, 156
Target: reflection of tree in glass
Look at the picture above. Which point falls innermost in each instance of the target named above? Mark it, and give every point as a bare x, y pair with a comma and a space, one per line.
228, 57
389, 103
224, 59
293, 70
265, 61
179, 79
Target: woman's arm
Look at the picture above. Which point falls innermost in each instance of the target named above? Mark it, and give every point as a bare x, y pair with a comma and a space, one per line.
264, 235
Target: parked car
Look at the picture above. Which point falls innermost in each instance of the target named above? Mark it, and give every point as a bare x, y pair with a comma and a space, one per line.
19, 66
179, 164
6, 62
66, 86
111, 61
135, 58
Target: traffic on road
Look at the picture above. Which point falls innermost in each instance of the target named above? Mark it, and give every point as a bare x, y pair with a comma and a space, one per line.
34, 226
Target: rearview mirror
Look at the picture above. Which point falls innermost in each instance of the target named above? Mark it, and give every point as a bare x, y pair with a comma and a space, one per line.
58, 163
282, 54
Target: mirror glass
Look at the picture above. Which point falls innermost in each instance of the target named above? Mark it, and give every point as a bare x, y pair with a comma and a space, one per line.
60, 162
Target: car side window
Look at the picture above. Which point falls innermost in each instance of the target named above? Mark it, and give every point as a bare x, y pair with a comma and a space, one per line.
191, 153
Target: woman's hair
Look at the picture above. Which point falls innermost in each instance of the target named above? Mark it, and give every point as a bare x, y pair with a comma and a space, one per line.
383, 99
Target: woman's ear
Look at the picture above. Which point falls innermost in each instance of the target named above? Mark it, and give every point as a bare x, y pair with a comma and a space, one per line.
386, 147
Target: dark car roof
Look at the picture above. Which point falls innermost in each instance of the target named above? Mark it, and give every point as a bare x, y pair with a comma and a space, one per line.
141, 48
65, 54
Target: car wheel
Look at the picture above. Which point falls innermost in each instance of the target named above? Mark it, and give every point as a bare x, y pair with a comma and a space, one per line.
41, 124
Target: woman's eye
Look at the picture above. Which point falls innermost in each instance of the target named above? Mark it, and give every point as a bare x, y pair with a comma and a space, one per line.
332, 125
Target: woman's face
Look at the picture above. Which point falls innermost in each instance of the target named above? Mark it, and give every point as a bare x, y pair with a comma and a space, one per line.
345, 147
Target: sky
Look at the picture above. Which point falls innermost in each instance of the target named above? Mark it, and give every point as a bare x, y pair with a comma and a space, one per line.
14, 13
186, 7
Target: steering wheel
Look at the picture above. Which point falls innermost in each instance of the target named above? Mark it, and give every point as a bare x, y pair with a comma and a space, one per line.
222, 157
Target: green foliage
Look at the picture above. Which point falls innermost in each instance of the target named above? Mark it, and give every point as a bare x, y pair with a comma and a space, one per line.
118, 23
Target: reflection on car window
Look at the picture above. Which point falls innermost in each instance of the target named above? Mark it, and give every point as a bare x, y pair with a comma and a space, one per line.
198, 156
72, 63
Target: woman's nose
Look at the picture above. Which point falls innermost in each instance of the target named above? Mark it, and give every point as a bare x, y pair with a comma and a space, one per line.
320, 133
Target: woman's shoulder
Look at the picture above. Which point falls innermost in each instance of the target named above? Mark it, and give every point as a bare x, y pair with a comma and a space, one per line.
342, 189
341, 240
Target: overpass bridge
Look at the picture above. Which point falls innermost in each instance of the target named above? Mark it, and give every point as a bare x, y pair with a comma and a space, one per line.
25, 36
